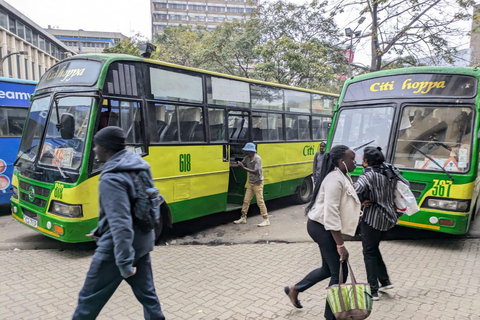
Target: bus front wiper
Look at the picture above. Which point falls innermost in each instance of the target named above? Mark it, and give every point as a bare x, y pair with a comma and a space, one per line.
431, 159
363, 145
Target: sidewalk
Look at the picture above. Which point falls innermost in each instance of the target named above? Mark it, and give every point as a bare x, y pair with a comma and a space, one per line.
434, 279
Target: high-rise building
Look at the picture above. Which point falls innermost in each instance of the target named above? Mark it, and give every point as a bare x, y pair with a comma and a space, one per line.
207, 13
26, 49
82, 41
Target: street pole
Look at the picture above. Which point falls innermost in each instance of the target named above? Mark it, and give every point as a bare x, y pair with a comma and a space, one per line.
8, 56
352, 33
350, 52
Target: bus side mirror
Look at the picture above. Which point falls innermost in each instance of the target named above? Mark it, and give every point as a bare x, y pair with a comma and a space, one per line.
67, 126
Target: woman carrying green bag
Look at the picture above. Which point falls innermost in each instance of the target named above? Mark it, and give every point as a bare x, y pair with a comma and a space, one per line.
333, 211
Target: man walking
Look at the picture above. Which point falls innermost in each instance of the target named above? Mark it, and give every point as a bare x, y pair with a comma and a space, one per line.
317, 162
123, 250
252, 163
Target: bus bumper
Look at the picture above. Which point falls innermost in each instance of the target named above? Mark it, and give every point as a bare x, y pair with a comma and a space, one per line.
73, 231
440, 221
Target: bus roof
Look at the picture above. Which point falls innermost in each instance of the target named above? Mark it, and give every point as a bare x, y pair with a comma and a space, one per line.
473, 71
14, 80
112, 57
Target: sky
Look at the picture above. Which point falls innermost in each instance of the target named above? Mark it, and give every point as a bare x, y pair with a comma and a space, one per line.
126, 16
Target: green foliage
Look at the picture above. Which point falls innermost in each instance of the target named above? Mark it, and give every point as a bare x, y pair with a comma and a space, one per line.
130, 46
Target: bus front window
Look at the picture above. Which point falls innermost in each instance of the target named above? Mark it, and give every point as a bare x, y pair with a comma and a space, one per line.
34, 130
432, 138
361, 127
64, 153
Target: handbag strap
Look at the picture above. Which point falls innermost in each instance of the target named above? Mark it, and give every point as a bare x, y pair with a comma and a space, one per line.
354, 283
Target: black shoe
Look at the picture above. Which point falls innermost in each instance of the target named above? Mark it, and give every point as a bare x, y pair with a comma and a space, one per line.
375, 296
385, 286
292, 294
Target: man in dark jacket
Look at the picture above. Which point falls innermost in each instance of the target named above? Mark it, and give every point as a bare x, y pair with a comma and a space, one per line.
123, 250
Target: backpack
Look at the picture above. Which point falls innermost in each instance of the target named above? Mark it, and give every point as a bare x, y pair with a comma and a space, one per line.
145, 205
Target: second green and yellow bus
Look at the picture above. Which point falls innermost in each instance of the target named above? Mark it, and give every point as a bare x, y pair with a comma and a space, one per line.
189, 124
426, 121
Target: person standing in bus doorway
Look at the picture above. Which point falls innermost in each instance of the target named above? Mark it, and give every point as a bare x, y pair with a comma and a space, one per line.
317, 161
123, 250
334, 210
375, 188
252, 163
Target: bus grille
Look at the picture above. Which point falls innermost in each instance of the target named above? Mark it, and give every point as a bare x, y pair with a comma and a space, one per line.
30, 214
37, 201
417, 186
44, 192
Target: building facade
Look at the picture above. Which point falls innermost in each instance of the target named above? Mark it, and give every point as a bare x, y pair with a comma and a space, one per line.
26, 49
207, 13
81, 41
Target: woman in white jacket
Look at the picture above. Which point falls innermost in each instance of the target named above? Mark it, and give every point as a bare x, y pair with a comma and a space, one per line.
333, 211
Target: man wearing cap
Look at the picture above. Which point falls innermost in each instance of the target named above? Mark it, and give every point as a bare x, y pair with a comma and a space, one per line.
252, 163
123, 250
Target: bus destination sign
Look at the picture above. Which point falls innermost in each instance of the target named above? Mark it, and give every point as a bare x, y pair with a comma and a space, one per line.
72, 72
412, 85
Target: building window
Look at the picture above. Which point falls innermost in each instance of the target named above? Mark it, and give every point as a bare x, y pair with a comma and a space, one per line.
177, 6
21, 30
28, 35
249, 10
35, 39
12, 26
3, 20
235, 9
216, 9
41, 43
160, 5
162, 16
196, 7
177, 17
47, 47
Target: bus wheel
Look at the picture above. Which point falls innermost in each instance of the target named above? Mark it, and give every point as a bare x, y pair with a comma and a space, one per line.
159, 230
305, 190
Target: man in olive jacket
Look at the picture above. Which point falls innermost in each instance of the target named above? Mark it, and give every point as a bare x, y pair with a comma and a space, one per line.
123, 250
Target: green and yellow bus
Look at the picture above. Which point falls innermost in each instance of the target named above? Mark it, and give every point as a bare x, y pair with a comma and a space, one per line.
189, 124
425, 120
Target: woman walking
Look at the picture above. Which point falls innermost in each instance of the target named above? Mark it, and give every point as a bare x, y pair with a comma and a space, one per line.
334, 209
375, 189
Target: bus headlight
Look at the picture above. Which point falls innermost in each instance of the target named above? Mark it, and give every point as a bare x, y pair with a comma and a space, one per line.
15, 192
66, 210
449, 205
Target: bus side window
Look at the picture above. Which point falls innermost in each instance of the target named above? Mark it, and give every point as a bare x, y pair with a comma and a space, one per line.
170, 133
190, 119
216, 119
291, 126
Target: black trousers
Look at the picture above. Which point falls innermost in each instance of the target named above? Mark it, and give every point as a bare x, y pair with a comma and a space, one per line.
376, 269
330, 262
103, 278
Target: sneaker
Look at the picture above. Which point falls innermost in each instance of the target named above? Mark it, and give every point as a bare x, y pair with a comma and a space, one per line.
265, 223
241, 220
385, 286
375, 296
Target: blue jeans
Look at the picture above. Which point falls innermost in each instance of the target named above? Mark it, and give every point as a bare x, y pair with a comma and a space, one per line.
103, 278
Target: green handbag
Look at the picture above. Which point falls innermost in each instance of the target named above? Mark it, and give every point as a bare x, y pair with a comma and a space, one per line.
353, 301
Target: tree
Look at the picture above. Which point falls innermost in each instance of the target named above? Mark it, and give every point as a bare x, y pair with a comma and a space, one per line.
181, 45
413, 28
129, 46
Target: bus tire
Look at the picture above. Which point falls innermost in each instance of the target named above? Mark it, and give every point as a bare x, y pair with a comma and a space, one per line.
305, 191
159, 230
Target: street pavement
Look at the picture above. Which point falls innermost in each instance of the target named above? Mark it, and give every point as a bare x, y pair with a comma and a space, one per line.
434, 279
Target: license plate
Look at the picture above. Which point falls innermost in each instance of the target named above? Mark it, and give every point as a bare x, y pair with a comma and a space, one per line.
30, 221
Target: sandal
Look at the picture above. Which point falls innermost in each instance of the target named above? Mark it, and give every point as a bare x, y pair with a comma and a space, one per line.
296, 303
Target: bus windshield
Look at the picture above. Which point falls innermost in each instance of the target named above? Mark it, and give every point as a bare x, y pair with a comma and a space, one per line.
55, 151
361, 127
432, 138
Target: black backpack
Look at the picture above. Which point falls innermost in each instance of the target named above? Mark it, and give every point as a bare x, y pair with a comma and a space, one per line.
146, 204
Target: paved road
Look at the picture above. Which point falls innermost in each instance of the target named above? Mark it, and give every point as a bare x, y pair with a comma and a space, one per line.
434, 278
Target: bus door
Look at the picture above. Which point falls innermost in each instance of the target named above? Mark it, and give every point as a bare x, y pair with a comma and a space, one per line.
238, 135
